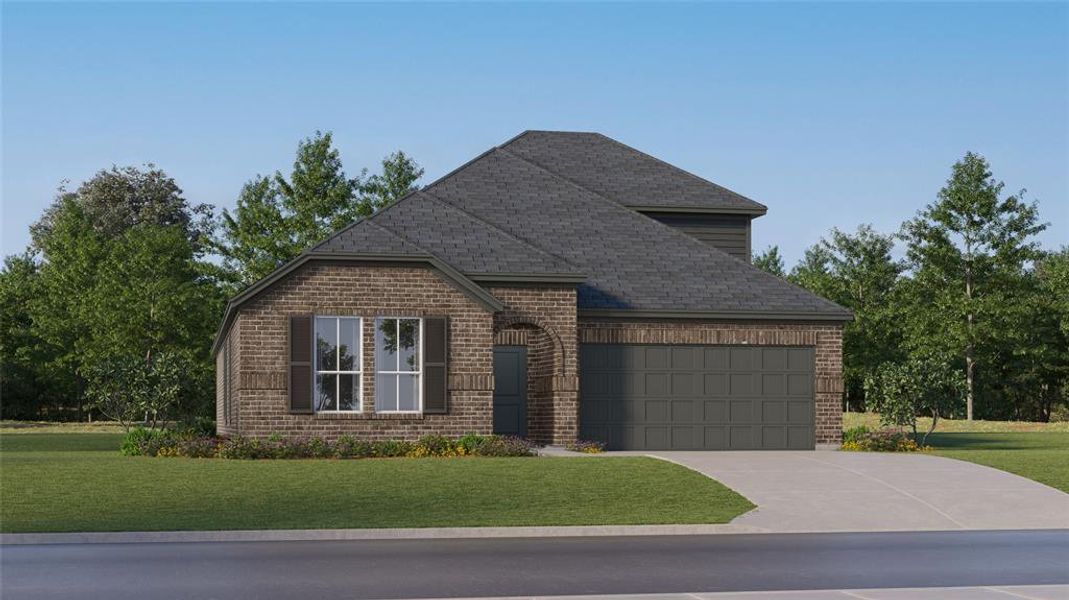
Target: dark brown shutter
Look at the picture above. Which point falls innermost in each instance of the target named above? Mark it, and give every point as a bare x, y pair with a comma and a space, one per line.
300, 346
435, 365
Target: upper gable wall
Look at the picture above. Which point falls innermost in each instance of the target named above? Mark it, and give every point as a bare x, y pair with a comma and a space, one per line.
730, 233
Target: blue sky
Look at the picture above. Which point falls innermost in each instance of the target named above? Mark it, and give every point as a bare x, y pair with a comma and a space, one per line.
831, 114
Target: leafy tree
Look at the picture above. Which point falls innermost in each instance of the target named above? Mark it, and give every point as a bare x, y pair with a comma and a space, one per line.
967, 252
117, 199
857, 271
277, 218
920, 385
118, 274
770, 261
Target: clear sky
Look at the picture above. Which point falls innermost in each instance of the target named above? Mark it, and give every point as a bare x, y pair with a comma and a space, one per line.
831, 114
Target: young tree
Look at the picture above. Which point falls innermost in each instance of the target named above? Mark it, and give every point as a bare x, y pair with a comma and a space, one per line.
921, 385
857, 271
770, 261
277, 218
966, 252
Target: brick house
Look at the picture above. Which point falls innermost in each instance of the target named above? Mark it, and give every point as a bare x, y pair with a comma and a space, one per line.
559, 286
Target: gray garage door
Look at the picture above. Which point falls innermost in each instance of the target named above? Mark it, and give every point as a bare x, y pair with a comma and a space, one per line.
645, 397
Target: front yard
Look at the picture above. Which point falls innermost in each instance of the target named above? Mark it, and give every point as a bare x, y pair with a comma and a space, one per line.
79, 482
1038, 451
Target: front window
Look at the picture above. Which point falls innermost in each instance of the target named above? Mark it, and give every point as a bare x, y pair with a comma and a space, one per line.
337, 362
398, 385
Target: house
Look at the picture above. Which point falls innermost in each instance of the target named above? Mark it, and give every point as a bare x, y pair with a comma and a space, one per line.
559, 286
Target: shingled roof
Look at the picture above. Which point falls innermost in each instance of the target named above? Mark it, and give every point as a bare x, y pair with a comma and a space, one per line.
632, 178
565, 207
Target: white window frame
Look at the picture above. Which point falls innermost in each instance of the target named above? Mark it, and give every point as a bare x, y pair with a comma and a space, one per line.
337, 379
397, 357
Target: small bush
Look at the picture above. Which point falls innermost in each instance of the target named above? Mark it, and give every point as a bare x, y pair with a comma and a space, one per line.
860, 439
586, 447
170, 443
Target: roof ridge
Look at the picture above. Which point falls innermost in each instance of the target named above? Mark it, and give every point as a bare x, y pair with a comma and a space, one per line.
674, 167
408, 241
493, 227
360, 220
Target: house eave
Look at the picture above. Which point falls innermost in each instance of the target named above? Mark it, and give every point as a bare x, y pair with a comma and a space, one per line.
752, 212
801, 316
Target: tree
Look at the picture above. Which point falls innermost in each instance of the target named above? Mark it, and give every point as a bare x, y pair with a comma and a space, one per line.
118, 274
130, 390
920, 385
277, 218
770, 261
857, 271
966, 253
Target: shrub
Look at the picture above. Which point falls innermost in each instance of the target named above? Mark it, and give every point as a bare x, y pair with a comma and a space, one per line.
860, 439
586, 447
186, 443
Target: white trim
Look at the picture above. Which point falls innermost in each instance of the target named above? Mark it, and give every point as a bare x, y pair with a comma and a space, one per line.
418, 374
359, 363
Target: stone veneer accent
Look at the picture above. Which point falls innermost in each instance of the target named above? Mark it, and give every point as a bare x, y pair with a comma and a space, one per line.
827, 339
367, 291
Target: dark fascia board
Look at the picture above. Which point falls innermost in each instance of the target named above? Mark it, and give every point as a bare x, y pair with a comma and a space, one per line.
754, 212
527, 277
611, 313
464, 284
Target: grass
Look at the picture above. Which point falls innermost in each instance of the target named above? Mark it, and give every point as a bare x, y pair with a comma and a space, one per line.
7, 427
79, 482
1040, 456
1038, 451
872, 421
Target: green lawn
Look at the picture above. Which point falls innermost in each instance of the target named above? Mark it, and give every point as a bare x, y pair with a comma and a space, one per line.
1038, 451
79, 482
1041, 456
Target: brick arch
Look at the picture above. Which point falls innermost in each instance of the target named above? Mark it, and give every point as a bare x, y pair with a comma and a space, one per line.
526, 322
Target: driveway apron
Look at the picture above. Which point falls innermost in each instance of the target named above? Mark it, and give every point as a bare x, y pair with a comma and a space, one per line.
860, 491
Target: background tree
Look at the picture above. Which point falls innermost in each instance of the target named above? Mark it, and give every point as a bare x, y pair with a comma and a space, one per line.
277, 218
770, 261
967, 252
117, 270
857, 271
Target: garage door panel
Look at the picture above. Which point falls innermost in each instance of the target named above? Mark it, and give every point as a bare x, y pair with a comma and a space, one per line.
696, 397
717, 359
773, 384
683, 384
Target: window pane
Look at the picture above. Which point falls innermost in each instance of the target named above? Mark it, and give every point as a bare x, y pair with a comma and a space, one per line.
326, 390
349, 345
385, 344
409, 392
409, 335
326, 344
385, 392
347, 392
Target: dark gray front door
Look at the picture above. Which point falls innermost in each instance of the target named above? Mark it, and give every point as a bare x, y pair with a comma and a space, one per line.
651, 397
510, 390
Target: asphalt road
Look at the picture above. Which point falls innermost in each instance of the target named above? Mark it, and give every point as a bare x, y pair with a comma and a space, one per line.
527, 567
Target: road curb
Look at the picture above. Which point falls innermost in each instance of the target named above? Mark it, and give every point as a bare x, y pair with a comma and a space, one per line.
430, 533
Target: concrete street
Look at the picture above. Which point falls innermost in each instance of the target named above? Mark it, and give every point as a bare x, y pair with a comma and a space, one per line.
877, 491
534, 567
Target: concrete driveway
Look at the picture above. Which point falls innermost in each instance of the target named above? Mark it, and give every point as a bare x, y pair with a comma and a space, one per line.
859, 491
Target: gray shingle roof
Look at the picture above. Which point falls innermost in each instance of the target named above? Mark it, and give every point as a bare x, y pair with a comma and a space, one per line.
632, 262
462, 240
620, 172
503, 213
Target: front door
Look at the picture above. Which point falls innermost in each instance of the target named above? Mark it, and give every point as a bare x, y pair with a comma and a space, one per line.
510, 390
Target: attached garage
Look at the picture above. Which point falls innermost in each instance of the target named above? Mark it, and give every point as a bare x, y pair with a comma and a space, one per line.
697, 397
